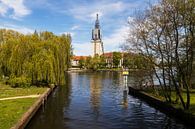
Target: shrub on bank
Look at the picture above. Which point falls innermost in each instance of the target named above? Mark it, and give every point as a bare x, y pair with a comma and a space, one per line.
19, 82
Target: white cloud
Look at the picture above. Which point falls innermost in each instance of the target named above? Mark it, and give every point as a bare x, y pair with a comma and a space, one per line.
82, 49
117, 38
104, 8
21, 29
3, 9
17, 6
75, 27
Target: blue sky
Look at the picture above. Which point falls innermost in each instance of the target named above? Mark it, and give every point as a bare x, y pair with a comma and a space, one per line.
76, 17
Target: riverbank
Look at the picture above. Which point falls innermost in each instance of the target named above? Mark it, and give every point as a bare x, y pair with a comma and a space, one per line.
105, 70
186, 117
15, 102
77, 70
97, 70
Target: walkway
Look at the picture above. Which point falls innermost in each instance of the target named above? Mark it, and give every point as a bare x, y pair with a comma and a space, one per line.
20, 97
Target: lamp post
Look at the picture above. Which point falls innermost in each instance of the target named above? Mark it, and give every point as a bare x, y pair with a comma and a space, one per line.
125, 76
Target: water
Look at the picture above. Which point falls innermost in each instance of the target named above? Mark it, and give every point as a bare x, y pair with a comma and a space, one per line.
97, 101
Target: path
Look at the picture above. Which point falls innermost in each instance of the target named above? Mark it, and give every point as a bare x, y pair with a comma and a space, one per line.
20, 97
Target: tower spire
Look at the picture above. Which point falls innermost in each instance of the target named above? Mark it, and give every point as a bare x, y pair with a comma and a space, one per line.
97, 23
97, 16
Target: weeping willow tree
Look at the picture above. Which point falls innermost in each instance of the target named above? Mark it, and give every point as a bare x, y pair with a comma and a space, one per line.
36, 59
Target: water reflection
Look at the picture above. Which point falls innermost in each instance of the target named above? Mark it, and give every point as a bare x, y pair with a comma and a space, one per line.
95, 93
125, 101
98, 101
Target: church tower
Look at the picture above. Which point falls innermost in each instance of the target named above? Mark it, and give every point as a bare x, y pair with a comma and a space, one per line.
97, 43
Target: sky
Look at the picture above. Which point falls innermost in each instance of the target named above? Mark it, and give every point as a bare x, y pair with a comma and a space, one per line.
76, 17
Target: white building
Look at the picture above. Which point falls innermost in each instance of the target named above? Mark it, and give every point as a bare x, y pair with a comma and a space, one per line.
97, 44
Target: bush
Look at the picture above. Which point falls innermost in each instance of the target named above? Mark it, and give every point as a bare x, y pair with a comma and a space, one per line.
41, 83
19, 82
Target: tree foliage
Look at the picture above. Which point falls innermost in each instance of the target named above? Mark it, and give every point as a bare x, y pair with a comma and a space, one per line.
136, 61
165, 32
40, 58
93, 63
116, 58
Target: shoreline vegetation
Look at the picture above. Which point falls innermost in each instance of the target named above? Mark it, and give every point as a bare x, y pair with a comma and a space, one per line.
119, 69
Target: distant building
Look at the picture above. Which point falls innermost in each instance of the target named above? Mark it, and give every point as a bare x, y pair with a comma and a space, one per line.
97, 44
109, 60
75, 60
108, 57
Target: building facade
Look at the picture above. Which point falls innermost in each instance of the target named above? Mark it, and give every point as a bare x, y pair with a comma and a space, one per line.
97, 44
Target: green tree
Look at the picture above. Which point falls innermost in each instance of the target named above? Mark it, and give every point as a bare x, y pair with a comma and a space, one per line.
38, 59
102, 63
116, 58
88, 62
82, 63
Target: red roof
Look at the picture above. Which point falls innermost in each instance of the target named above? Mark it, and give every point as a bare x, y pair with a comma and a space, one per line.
79, 57
109, 54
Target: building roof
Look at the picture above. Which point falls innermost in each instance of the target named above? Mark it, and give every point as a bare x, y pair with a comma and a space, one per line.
109, 54
79, 57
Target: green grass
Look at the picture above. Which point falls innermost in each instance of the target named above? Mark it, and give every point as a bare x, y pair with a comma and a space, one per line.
7, 91
12, 110
192, 99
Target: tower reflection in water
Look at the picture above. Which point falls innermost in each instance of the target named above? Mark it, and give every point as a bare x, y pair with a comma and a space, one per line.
96, 89
95, 93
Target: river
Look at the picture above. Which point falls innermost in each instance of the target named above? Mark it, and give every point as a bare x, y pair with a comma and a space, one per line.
96, 101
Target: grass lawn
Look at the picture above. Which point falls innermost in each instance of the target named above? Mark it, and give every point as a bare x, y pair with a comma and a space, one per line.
192, 99
7, 91
192, 102
12, 110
